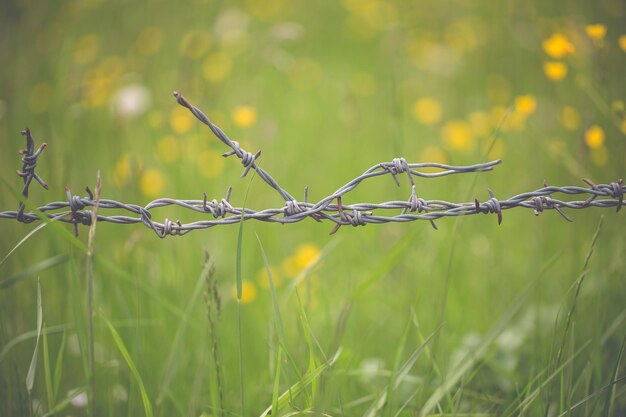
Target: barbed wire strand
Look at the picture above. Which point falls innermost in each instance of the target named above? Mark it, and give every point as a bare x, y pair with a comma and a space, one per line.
76, 209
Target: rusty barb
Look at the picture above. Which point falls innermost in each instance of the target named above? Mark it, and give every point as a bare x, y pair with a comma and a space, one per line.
76, 210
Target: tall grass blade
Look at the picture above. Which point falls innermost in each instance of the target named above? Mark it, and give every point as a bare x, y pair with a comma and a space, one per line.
609, 404
401, 374
277, 316
394, 370
239, 293
308, 338
276, 388
46, 368
65, 402
24, 239
390, 260
171, 363
609, 387
33, 270
133, 369
523, 406
477, 355
297, 388
570, 313
79, 315
280, 330
25, 336
30, 376
58, 368
213, 302
91, 240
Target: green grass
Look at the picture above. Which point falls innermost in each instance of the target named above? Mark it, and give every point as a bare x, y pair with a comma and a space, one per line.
525, 318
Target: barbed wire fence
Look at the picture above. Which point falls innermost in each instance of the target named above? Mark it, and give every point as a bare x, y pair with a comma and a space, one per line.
76, 210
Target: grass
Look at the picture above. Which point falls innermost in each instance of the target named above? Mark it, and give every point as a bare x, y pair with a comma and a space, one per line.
474, 319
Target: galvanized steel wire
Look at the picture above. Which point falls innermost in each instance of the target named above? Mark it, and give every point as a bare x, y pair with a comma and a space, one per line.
76, 209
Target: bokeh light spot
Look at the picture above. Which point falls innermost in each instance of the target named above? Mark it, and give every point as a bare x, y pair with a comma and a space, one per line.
244, 116
168, 149
594, 137
457, 135
570, 118
555, 70
195, 44
217, 66
525, 104
248, 292
122, 171
210, 163
39, 97
427, 110
149, 41
86, 49
181, 120
151, 182
597, 32
558, 46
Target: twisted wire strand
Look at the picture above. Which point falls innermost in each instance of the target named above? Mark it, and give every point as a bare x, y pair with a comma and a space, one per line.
331, 208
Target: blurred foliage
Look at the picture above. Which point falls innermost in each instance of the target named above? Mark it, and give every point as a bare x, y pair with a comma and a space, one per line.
325, 89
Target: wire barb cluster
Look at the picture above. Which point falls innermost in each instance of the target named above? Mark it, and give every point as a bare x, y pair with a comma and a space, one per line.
331, 208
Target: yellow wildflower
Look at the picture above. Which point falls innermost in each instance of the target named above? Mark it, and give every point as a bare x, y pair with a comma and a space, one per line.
570, 119
622, 42
305, 73
306, 255
181, 119
499, 89
122, 171
515, 121
498, 115
525, 104
86, 49
97, 89
210, 163
617, 106
427, 111
244, 116
597, 32
265, 9
112, 66
217, 66
558, 46
555, 70
433, 154
168, 149
263, 280
363, 84
39, 97
622, 126
248, 292
457, 135
290, 267
195, 44
149, 40
594, 137
599, 156
480, 122
151, 182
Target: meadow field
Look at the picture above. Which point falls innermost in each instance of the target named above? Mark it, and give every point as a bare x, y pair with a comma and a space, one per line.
473, 318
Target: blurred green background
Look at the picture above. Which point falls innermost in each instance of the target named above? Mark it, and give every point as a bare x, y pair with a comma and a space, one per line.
326, 90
